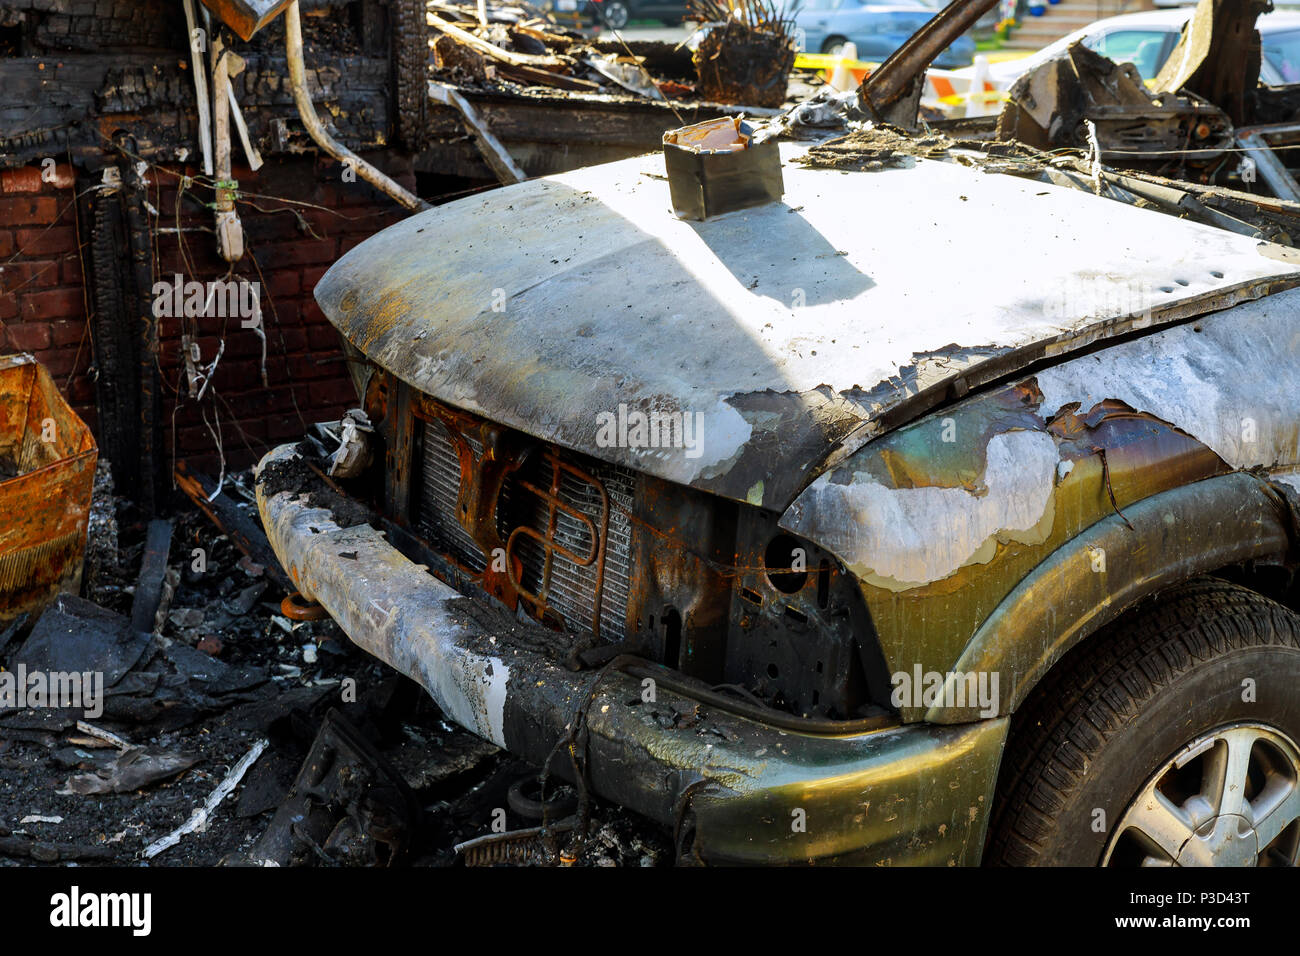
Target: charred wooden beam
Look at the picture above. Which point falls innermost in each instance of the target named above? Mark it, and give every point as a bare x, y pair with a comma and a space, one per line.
153, 572
74, 104
410, 56
116, 344
149, 401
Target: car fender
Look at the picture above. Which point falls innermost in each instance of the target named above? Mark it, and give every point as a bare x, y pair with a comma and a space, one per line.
958, 525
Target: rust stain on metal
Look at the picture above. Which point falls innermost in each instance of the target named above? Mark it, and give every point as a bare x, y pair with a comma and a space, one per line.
47, 470
551, 545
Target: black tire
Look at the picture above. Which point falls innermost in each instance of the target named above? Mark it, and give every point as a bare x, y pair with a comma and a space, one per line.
614, 14
833, 44
524, 798
1112, 716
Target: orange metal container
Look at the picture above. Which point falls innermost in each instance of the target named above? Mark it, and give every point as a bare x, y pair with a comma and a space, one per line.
47, 472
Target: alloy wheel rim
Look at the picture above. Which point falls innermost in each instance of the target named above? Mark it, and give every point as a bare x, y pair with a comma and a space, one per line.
1231, 797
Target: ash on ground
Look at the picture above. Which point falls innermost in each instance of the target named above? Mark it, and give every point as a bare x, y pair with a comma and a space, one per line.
225, 671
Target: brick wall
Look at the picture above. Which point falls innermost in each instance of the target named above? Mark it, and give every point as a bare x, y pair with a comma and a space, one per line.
42, 297
302, 218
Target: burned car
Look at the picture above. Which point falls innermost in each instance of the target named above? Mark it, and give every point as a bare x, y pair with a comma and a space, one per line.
821, 543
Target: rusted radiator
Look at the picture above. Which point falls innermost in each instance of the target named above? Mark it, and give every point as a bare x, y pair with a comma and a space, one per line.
565, 520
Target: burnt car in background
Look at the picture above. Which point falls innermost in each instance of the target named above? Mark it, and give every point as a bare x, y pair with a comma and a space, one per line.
1147, 39
923, 571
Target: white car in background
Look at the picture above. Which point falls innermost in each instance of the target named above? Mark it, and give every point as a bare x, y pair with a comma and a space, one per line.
1146, 39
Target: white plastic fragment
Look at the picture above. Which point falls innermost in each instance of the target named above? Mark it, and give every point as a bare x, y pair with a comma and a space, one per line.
199, 818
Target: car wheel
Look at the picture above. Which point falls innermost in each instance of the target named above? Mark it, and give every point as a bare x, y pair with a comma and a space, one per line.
834, 45
1170, 739
615, 14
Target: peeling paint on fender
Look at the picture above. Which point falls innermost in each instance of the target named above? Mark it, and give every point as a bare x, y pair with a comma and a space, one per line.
899, 538
1215, 379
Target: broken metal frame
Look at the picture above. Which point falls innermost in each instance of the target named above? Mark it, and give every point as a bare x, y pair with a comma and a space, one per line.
1271, 169
1183, 200
1217, 56
1084, 100
1247, 214
892, 94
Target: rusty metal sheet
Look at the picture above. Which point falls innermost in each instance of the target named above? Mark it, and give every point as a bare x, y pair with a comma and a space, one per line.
47, 470
793, 330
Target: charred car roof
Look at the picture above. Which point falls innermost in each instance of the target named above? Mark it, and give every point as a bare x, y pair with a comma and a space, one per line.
797, 330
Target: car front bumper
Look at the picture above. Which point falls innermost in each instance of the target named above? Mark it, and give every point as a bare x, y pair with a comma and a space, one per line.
734, 790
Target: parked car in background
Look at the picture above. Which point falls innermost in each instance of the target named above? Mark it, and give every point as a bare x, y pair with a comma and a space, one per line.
876, 27
617, 13
1146, 40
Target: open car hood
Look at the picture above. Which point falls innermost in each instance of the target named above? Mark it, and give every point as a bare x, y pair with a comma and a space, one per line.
794, 332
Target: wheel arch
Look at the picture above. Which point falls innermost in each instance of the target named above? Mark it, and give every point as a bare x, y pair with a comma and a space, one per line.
1181, 533
1166, 674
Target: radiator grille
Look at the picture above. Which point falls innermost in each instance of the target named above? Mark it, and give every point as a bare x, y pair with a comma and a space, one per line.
569, 591
440, 481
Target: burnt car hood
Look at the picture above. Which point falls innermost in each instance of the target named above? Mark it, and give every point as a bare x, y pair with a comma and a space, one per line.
792, 333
